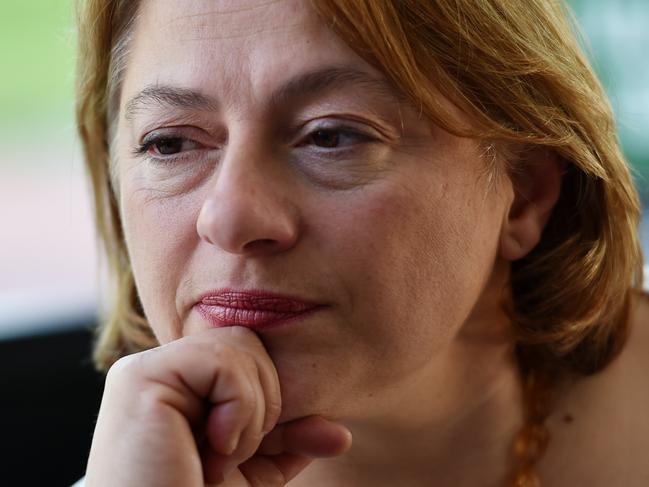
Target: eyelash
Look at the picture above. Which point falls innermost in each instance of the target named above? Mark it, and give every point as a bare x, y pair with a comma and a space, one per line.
357, 136
151, 141
341, 131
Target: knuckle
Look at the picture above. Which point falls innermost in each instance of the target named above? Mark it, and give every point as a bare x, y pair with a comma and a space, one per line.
234, 363
128, 382
224, 354
234, 386
149, 401
125, 368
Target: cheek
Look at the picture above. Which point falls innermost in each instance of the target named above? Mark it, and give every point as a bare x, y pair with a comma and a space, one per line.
414, 262
160, 235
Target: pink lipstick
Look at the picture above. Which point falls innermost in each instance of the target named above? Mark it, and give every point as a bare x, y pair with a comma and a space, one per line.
254, 309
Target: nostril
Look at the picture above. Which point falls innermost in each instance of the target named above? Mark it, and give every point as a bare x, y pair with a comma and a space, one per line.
260, 244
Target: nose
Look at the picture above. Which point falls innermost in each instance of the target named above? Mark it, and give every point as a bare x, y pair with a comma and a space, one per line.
246, 210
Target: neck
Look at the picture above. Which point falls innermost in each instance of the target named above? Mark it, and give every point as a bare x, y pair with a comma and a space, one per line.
451, 425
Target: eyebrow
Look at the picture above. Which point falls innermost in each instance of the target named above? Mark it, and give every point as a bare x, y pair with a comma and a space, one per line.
164, 95
305, 84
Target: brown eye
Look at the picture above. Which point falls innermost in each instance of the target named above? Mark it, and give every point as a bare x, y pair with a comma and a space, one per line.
161, 146
168, 146
326, 138
336, 138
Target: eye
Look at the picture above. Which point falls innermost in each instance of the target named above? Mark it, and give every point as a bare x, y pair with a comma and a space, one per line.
168, 146
165, 145
336, 137
325, 138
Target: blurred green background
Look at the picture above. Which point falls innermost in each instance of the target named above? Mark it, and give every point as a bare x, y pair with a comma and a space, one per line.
47, 243
37, 59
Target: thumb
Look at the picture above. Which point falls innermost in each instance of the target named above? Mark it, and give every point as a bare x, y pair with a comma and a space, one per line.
290, 447
312, 436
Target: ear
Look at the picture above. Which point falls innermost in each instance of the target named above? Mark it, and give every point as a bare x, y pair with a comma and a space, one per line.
536, 185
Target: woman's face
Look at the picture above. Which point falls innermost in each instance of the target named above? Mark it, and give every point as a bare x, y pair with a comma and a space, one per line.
290, 165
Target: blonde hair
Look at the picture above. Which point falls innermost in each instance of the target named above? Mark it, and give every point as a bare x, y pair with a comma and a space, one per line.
515, 67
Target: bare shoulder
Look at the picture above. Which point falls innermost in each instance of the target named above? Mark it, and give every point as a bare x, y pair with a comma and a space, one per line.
600, 428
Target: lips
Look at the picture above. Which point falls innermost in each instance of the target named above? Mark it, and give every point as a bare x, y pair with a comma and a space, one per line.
252, 308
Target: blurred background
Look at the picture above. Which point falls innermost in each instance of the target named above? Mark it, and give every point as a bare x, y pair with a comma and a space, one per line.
49, 279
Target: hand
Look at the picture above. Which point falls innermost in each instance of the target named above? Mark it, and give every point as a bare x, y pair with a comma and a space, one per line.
202, 410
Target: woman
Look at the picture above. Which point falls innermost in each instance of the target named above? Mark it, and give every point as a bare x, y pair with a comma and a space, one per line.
407, 222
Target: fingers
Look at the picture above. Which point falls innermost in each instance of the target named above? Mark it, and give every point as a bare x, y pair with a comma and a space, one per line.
290, 447
273, 471
151, 425
220, 365
234, 424
230, 416
282, 454
266, 376
313, 436
246, 404
224, 385
269, 381
221, 382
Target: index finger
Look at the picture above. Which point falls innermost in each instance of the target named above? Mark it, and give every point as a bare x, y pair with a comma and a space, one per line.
266, 371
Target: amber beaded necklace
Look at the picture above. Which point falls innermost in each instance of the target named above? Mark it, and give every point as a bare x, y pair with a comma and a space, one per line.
532, 439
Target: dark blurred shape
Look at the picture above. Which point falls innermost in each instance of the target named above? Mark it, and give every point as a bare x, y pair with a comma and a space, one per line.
50, 398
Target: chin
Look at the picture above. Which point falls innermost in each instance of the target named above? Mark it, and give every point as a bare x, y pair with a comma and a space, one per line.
300, 396
307, 391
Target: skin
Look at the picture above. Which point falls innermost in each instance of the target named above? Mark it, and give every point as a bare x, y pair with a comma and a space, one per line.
599, 428
398, 231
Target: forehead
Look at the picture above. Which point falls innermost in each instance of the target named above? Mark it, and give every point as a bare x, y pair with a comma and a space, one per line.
231, 46
230, 22
263, 13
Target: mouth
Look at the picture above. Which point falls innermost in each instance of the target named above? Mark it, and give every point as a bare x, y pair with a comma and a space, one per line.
255, 309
